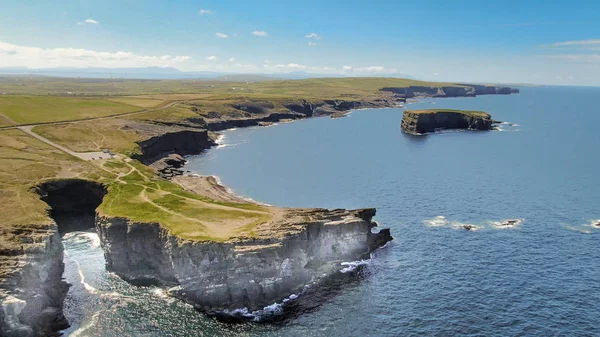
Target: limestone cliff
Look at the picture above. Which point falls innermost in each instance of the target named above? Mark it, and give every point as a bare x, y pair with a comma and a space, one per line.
182, 142
301, 247
424, 121
459, 90
32, 294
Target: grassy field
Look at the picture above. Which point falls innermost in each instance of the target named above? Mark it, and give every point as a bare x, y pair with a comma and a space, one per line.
134, 190
464, 112
202, 88
38, 109
140, 196
93, 136
25, 162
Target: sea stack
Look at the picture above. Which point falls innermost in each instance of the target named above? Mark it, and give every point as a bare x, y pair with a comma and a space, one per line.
425, 121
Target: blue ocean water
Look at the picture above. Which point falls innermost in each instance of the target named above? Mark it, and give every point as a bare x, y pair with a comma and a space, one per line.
540, 278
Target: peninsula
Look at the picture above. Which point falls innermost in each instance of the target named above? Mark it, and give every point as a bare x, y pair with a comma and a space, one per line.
79, 154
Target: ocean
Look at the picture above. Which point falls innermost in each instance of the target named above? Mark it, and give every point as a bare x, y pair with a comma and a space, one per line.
537, 278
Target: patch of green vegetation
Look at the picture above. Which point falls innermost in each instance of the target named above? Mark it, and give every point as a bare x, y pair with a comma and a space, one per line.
142, 197
473, 113
40, 109
27, 162
93, 136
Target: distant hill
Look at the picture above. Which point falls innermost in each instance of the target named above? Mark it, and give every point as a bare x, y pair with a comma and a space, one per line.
168, 73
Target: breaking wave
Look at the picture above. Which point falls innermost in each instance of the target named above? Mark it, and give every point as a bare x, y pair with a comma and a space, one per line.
442, 221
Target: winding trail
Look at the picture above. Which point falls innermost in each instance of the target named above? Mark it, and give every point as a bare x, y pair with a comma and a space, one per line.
80, 155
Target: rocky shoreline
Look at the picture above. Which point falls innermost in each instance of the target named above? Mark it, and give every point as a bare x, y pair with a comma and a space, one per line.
33, 290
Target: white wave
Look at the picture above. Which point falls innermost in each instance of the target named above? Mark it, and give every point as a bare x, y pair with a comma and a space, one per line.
86, 285
508, 223
581, 229
438, 221
274, 309
352, 265
466, 226
93, 238
441, 221
84, 328
595, 223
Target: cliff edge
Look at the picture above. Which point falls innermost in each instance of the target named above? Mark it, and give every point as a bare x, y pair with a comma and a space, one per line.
424, 121
295, 248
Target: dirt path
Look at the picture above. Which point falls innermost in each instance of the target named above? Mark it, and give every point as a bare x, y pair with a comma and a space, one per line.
80, 155
144, 197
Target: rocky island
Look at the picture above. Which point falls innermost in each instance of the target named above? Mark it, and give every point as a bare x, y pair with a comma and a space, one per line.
111, 161
418, 122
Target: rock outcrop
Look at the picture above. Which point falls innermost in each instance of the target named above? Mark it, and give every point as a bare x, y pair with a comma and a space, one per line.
182, 142
32, 295
424, 121
301, 247
460, 90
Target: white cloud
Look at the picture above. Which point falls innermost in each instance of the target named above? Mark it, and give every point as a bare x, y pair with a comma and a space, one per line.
92, 21
312, 36
205, 12
371, 69
79, 23
588, 58
291, 66
577, 43
33, 57
212, 58
232, 59
311, 44
259, 33
246, 66
222, 35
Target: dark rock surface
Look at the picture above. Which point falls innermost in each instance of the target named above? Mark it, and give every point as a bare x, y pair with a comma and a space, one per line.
460, 90
182, 142
414, 122
307, 246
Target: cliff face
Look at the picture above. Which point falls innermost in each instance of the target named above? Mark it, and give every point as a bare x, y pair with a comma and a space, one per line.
417, 122
261, 112
464, 90
33, 295
250, 273
181, 142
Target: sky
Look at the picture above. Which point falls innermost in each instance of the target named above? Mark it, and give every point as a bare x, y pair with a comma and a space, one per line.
509, 41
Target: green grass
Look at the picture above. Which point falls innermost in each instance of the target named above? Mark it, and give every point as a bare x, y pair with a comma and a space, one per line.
163, 89
39, 109
25, 163
190, 216
93, 136
464, 112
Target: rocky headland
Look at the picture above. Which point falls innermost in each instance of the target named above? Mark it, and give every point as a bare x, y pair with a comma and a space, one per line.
424, 121
294, 248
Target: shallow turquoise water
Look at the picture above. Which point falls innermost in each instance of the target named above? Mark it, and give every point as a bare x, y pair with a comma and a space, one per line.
540, 278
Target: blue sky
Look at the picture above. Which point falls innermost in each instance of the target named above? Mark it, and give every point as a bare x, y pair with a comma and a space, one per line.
557, 42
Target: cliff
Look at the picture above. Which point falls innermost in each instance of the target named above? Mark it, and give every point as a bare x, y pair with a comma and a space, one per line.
182, 142
300, 247
259, 113
460, 90
424, 121
33, 292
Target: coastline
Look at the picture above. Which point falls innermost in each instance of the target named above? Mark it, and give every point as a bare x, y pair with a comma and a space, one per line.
193, 140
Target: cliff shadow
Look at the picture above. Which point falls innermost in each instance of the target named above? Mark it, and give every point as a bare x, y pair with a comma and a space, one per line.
72, 202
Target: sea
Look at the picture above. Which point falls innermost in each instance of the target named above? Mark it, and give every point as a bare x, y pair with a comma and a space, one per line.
537, 277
